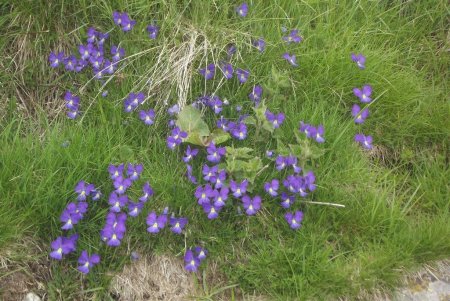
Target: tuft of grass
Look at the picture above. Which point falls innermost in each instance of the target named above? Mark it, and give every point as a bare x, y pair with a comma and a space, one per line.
396, 204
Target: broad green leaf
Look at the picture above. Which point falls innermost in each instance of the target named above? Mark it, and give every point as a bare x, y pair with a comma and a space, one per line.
218, 136
242, 152
190, 120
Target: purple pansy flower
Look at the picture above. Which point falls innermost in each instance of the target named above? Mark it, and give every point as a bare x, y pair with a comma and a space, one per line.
191, 261
70, 62
251, 206
287, 200
117, 53
227, 70
238, 189
178, 224
83, 190
216, 104
291, 59
123, 20
190, 154
275, 119
147, 116
255, 95
204, 194
365, 141
294, 220
173, 110
200, 252
319, 134
231, 50
63, 246
359, 59
56, 59
280, 162
242, 10
117, 202
115, 172
86, 262
152, 31
135, 208
215, 154
91, 35
219, 179
211, 210
242, 75
96, 194
208, 72
220, 196
121, 185
260, 44
238, 131
148, 192
134, 171
364, 93
72, 101
360, 116
209, 172
189, 174
293, 37
272, 187
155, 222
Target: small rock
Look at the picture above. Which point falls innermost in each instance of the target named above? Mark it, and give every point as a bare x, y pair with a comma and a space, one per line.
31, 297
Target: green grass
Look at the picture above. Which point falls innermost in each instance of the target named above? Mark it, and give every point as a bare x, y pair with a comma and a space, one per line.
397, 200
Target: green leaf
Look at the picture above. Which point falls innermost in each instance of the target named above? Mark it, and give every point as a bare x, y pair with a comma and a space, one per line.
241, 153
250, 120
282, 149
190, 120
218, 136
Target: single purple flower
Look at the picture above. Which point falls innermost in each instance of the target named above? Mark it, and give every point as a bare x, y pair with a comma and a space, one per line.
269, 153
359, 59
208, 72
275, 119
272, 187
220, 196
280, 162
260, 44
231, 50
83, 190
178, 224
101, 38
242, 75
242, 10
134, 208
117, 202
209, 172
293, 37
215, 154
86, 262
73, 114
291, 59
190, 154
155, 222
219, 179
117, 53
364, 93
152, 31
191, 261
96, 194
148, 192
359, 116
115, 171
227, 70
70, 62
189, 174
147, 116
287, 200
109, 67
72, 101
134, 171
319, 134
365, 141
63, 246
212, 211
204, 194
173, 110
255, 95
238, 189
216, 104
112, 235
251, 206
56, 59
91, 35
200, 252
294, 220
239, 131
121, 185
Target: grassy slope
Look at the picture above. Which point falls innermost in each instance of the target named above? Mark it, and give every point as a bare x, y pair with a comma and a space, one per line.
397, 208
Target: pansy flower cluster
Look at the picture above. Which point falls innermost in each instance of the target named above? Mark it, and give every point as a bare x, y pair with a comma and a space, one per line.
365, 96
